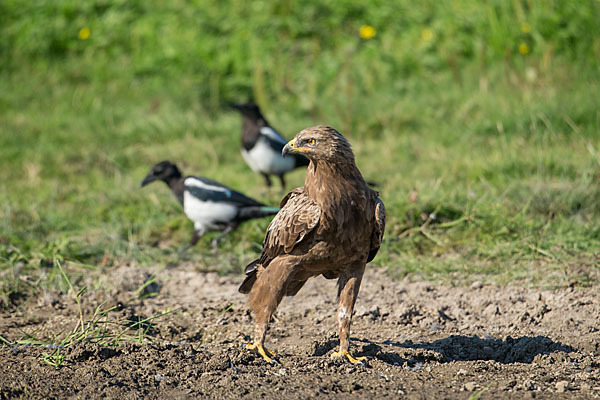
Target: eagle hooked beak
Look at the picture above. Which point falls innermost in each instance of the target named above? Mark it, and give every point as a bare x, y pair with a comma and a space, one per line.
291, 148
288, 148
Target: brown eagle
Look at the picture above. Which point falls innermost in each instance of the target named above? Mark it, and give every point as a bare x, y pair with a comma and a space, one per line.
332, 226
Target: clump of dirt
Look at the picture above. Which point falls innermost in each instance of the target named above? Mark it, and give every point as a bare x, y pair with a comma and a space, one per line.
421, 341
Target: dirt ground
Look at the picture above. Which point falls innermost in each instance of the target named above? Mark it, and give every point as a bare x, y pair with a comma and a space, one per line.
422, 340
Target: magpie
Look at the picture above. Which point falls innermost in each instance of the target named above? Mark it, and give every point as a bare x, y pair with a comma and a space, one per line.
262, 145
210, 205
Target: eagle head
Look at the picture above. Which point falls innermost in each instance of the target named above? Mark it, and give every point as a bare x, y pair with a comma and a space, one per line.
162, 171
320, 143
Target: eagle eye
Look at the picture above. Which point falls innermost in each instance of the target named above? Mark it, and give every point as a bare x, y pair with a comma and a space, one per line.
311, 142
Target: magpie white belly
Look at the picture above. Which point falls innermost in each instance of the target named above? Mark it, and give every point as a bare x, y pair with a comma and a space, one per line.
208, 214
264, 159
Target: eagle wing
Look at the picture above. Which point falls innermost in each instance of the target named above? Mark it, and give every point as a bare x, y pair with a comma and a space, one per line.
379, 228
297, 217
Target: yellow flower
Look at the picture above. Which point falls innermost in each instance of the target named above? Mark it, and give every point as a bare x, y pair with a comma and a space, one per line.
84, 33
366, 32
525, 27
524, 48
427, 34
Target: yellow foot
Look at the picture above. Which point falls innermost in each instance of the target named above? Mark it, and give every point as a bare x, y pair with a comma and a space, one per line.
353, 360
262, 351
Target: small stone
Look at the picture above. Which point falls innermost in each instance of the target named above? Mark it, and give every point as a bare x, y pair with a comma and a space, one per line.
529, 384
476, 285
159, 378
470, 386
562, 386
462, 371
417, 367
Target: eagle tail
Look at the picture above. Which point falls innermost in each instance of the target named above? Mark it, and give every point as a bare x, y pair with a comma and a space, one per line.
250, 271
257, 212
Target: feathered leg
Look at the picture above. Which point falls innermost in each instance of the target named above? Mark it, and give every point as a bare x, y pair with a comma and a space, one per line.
348, 287
266, 294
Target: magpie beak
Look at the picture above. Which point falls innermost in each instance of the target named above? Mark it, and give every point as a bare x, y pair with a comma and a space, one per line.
149, 178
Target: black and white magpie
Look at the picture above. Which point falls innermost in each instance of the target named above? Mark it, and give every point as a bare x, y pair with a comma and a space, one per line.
210, 205
262, 145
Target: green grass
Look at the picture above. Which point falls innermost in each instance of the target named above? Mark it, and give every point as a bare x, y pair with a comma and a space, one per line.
442, 109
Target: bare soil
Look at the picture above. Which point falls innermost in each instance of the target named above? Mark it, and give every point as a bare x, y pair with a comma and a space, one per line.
422, 340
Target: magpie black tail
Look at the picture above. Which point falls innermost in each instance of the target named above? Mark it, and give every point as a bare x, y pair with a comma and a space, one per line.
257, 212
251, 270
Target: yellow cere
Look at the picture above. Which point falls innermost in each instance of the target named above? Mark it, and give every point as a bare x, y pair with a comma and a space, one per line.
367, 32
84, 33
524, 48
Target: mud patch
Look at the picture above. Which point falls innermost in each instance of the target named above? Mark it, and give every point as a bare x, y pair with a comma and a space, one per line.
421, 340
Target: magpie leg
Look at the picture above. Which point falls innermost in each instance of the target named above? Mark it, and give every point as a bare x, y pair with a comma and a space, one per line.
215, 241
267, 180
282, 180
193, 240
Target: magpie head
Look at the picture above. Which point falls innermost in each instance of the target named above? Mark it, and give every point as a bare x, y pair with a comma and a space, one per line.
249, 109
163, 171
